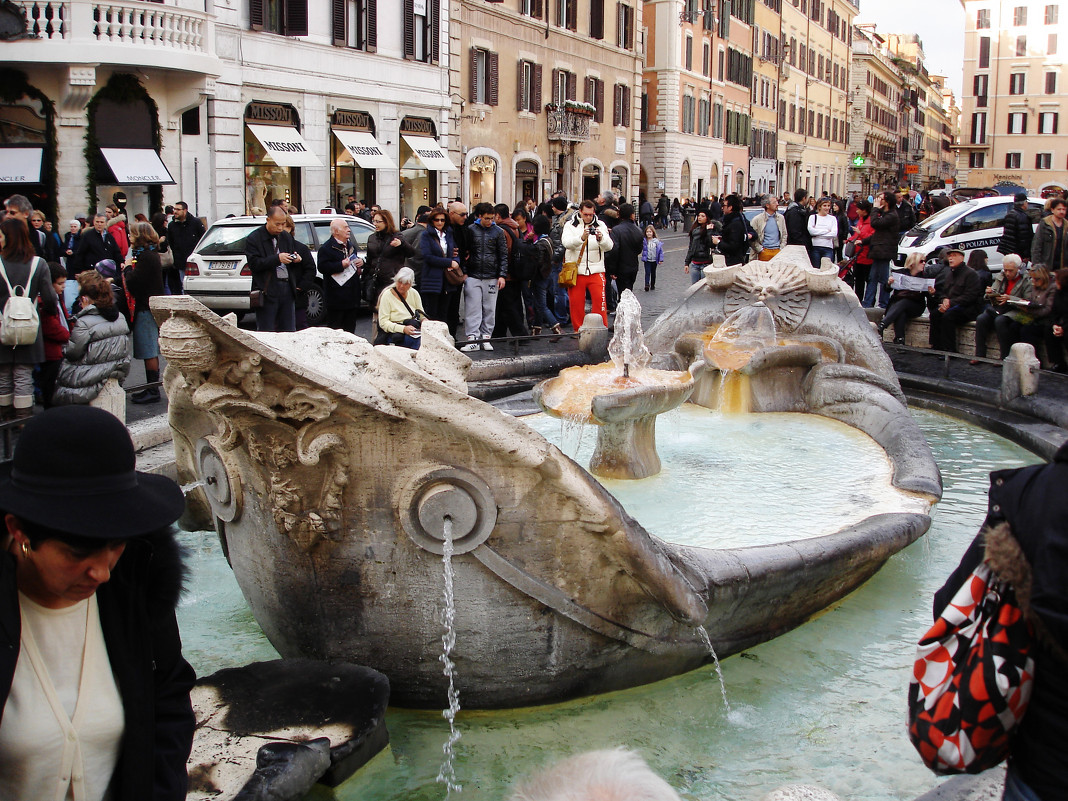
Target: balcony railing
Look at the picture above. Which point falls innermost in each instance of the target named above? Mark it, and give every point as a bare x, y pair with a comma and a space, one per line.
135, 23
568, 126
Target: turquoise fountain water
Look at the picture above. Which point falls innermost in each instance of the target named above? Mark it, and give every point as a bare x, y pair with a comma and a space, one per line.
823, 704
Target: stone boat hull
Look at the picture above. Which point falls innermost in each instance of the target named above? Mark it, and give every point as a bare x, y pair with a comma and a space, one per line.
329, 481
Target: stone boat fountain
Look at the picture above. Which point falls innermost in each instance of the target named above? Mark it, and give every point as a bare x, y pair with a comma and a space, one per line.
331, 470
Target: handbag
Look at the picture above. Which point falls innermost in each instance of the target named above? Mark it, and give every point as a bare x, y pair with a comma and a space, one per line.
972, 678
849, 249
255, 299
569, 272
455, 275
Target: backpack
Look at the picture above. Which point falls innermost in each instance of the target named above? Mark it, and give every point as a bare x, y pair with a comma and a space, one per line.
526, 261
19, 322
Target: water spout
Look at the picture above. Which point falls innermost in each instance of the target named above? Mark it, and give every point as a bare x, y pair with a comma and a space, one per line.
192, 485
447, 773
703, 633
627, 347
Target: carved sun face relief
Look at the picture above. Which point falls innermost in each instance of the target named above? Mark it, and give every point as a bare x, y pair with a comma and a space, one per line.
782, 287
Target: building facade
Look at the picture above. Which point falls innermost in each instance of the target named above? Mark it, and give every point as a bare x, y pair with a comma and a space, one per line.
544, 94
874, 114
768, 57
1014, 95
229, 106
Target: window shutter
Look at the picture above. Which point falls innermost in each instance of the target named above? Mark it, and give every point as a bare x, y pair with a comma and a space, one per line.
596, 19
472, 84
572, 86
296, 18
626, 106
337, 22
537, 89
255, 14
372, 26
589, 91
492, 79
572, 15
556, 84
598, 100
522, 92
408, 14
434, 9
536, 9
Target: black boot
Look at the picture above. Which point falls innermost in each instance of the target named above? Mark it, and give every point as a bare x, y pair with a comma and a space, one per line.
151, 394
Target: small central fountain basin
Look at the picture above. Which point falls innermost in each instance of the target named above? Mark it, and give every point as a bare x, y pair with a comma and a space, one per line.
572, 395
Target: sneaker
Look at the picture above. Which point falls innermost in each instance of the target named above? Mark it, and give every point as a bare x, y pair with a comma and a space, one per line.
470, 346
486, 346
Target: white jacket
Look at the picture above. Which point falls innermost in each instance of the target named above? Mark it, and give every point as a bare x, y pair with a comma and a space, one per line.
593, 259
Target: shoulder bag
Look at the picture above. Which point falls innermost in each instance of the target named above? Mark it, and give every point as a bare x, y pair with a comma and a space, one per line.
569, 272
973, 674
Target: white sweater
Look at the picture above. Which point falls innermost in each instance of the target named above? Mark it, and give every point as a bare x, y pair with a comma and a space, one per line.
824, 230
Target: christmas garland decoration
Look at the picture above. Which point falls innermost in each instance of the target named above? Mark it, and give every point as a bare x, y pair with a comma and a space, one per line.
14, 85
124, 89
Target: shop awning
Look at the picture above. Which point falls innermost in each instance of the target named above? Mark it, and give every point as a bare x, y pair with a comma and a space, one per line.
285, 146
363, 147
429, 153
20, 165
136, 165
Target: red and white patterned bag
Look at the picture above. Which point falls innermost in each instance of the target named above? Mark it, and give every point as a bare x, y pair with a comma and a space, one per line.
972, 678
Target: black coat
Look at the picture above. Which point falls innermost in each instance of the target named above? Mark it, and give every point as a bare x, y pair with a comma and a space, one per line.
262, 259
182, 237
338, 296
906, 215
303, 273
94, 247
383, 261
734, 242
884, 241
627, 245
1017, 234
141, 634
1033, 502
963, 288
145, 279
797, 226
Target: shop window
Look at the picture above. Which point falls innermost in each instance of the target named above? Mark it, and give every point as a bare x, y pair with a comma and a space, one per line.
594, 95
422, 30
484, 83
355, 24
285, 17
529, 87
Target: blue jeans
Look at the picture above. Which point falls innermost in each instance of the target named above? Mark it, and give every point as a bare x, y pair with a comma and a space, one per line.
1016, 790
650, 273
880, 274
561, 303
697, 272
542, 316
818, 253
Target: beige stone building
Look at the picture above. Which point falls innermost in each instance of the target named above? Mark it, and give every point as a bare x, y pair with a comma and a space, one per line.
813, 102
1014, 95
768, 56
544, 96
874, 114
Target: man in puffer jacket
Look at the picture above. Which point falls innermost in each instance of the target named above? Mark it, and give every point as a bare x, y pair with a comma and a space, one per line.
486, 268
86, 369
1018, 232
585, 228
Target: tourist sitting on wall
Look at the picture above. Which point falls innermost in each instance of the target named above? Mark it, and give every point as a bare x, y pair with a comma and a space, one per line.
958, 298
400, 312
1058, 322
905, 304
99, 346
977, 260
1036, 315
1003, 315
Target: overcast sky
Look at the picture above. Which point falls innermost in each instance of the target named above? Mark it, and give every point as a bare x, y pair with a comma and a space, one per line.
940, 24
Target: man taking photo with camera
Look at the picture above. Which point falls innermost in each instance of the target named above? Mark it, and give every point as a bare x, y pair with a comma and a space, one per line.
586, 240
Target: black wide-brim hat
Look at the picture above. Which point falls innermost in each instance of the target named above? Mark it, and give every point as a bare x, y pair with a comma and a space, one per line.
74, 472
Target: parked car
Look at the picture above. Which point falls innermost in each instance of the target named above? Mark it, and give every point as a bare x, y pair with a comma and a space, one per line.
217, 275
970, 225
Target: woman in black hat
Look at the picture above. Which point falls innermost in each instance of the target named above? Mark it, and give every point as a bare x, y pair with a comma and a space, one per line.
94, 691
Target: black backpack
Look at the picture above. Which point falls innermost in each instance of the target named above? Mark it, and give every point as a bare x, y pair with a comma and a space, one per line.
526, 261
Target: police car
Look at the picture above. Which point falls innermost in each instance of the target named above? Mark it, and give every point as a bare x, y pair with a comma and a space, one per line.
974, 224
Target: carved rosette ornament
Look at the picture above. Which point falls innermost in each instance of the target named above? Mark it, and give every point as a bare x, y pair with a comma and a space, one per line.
783, 288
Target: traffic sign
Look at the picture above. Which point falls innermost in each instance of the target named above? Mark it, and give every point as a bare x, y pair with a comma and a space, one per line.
912, 169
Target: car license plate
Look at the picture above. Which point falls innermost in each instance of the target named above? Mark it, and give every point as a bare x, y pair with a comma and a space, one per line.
221, 265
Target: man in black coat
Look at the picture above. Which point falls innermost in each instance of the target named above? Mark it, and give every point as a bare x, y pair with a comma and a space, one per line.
270, 250
1018, 231
340, 266
183, 233
797, 221
96, 245
906, 210
959, 296
628, 240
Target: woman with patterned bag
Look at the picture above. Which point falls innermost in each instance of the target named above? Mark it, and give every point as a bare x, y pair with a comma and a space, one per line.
991, 677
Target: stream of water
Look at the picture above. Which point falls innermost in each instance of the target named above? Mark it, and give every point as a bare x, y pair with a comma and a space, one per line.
823, 704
